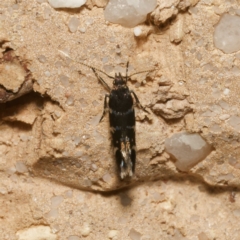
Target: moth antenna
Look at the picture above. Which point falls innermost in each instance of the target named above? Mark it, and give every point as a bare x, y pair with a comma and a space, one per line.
151, 70
84, 64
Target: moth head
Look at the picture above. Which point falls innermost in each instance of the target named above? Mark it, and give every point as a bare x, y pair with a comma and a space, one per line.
119, 80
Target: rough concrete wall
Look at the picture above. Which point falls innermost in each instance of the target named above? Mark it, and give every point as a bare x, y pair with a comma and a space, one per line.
52, 144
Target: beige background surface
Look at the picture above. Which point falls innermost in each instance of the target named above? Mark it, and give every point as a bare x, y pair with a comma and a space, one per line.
57, 170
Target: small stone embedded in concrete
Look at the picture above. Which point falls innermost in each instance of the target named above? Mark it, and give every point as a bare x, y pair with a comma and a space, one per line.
215, 128
95, 120
187, 148
73, 24
107, 178
76, 140
82, 29
70, 101
66, 4
47, 13
224, 116
36, 233
47, 73
21, 167
11, 170
94, 167
53, 213
56, 201
41, 58
128, 13
137, 31
226, 91
177, 30
226, 34
157, 197
225, 177
64, 80
3, 190
234, 122
23, 137
85, 231
134, 235
113, 234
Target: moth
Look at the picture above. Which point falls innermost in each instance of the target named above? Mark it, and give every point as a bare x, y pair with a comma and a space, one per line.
119, 103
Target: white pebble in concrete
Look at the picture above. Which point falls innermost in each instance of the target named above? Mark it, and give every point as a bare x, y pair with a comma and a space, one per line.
137, 31
73, 24
85, 231
36, 233
226, 91
188, 149
128, 13
227, 32
113, 234
66, 4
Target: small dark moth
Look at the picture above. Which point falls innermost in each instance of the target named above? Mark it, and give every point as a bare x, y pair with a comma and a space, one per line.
120, 105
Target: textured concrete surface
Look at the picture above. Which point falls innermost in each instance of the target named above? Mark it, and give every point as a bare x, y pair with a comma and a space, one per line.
57, 168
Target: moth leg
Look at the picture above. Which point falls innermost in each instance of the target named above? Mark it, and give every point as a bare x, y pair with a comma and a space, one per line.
138, 102
105, 107
101, 80
127, 71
